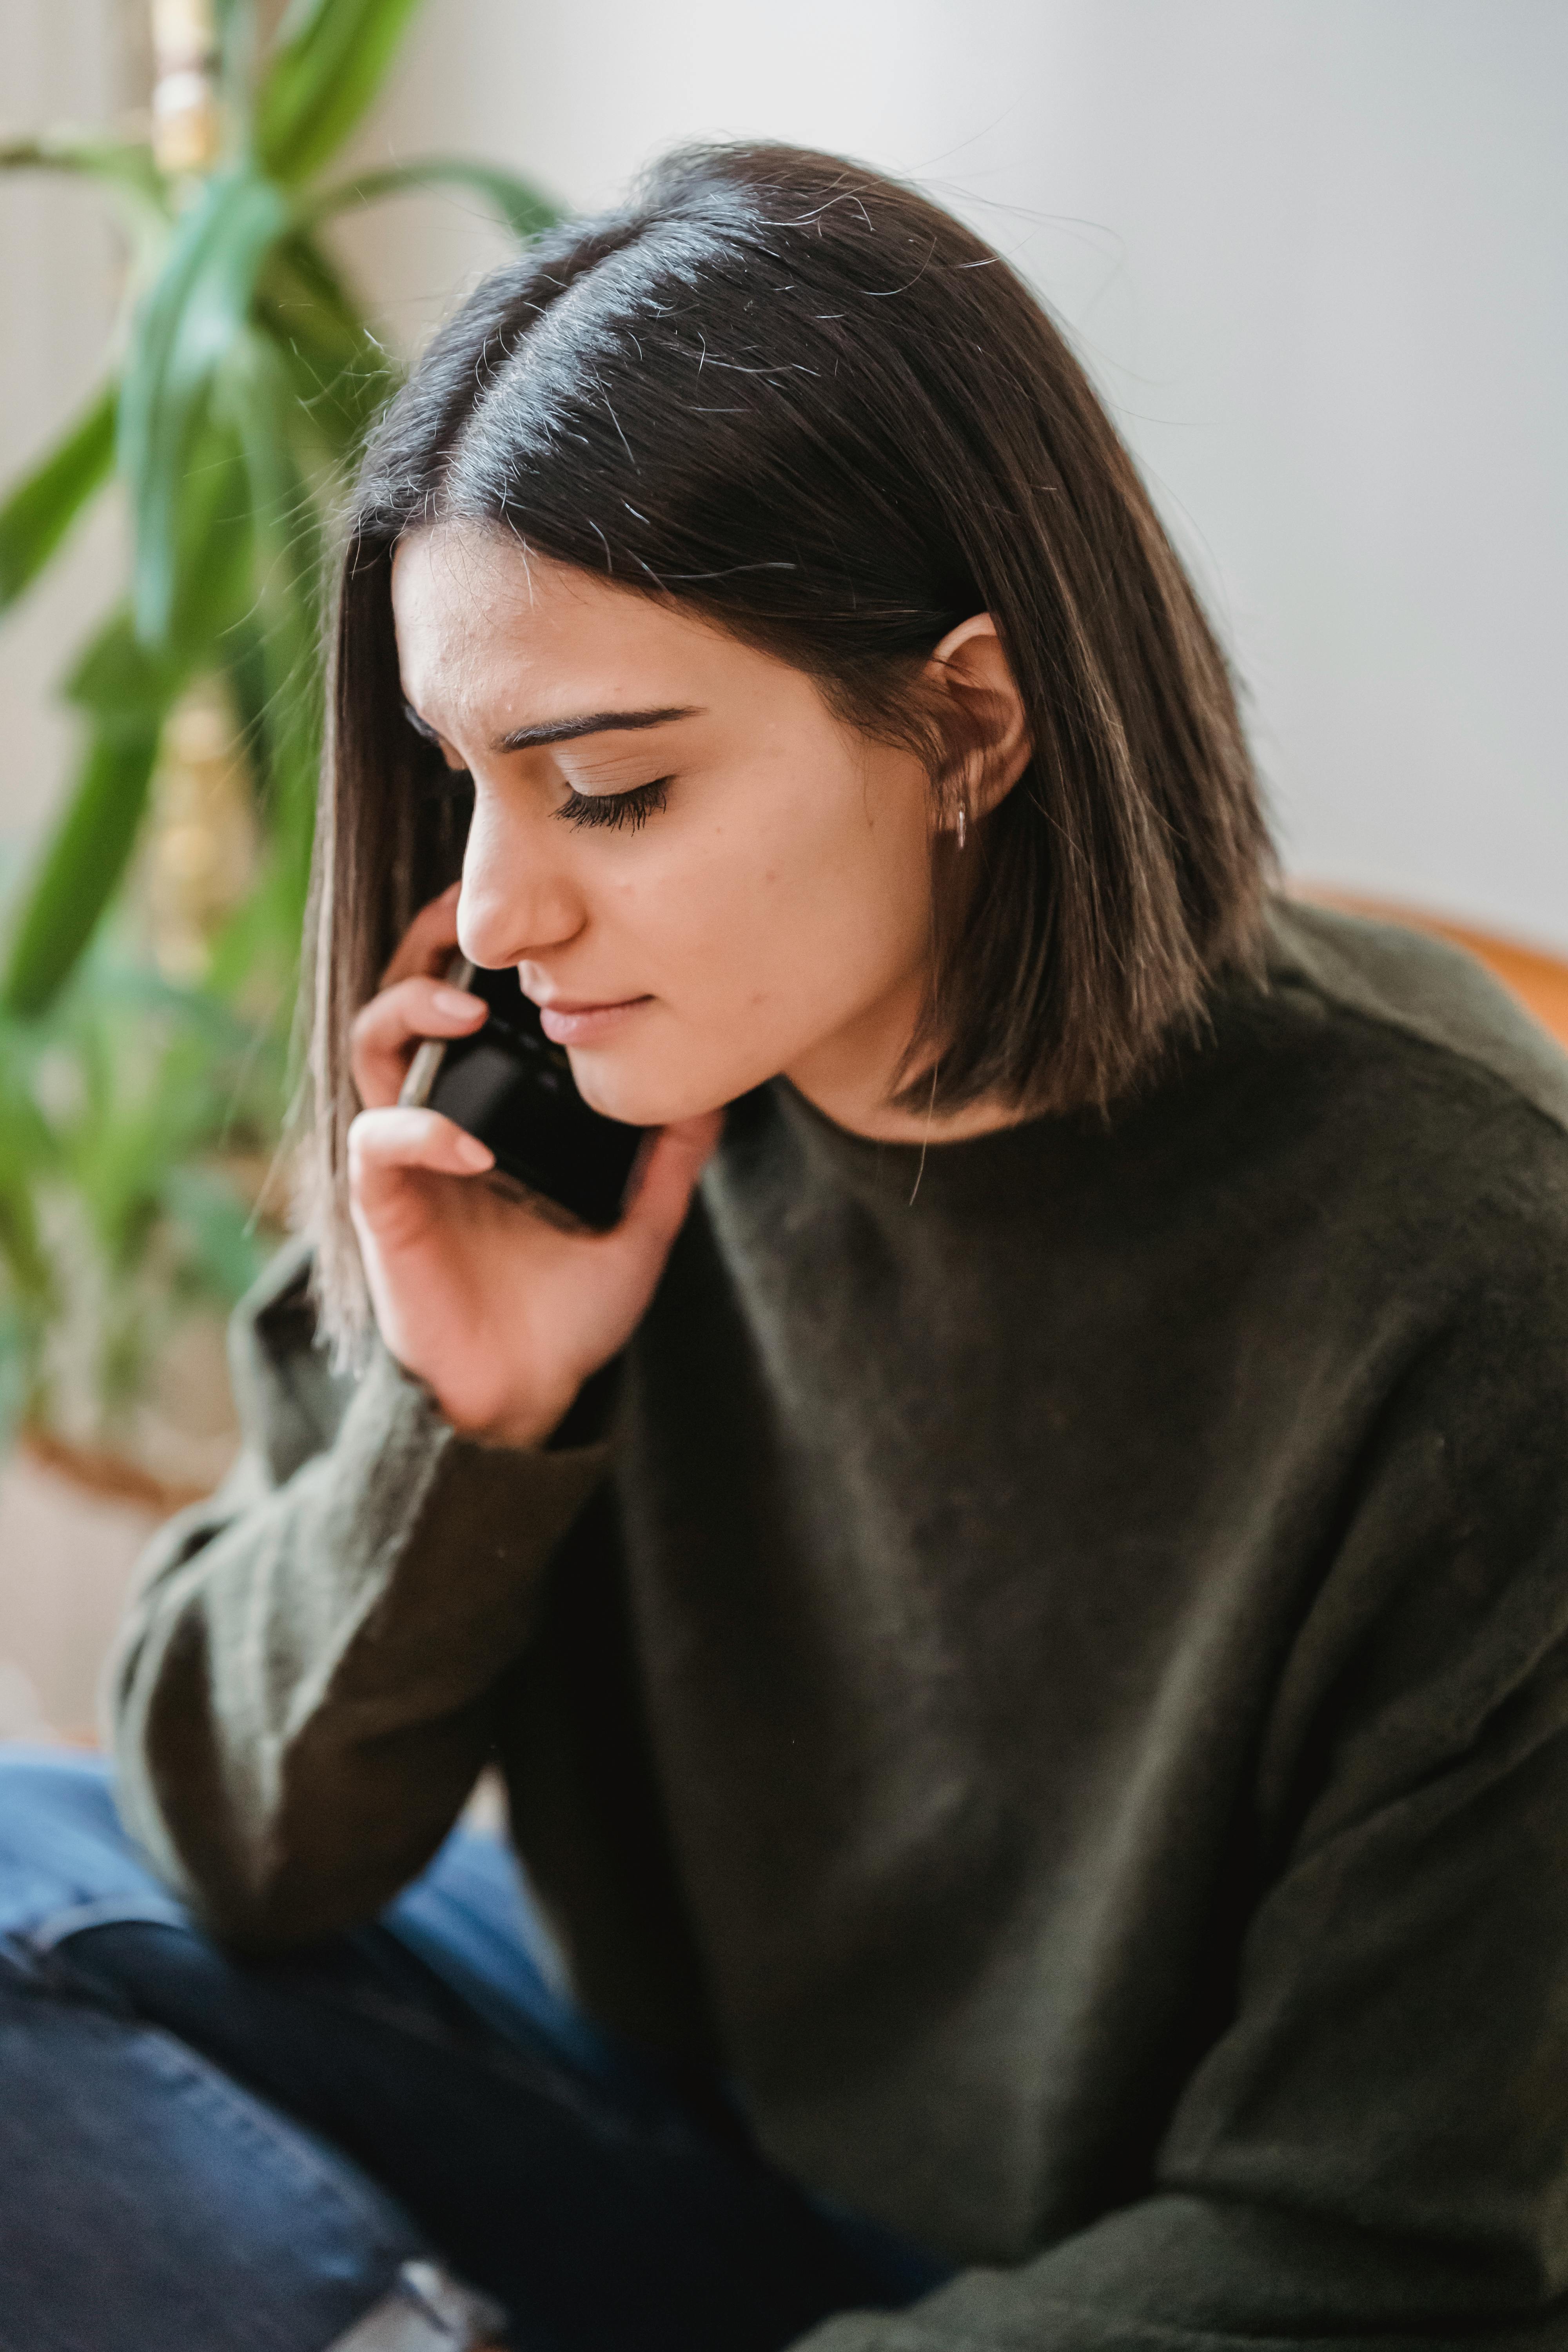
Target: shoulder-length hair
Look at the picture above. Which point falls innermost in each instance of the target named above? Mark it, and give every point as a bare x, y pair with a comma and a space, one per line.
806, 402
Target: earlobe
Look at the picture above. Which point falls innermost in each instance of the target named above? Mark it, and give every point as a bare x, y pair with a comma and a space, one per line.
987, 724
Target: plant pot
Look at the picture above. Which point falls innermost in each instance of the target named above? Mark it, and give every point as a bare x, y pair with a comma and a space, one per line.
110, 1476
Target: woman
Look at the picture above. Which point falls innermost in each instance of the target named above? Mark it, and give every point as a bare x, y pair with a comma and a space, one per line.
1023, 1623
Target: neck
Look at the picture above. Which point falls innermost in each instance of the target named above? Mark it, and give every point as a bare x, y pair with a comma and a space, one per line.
848, 1077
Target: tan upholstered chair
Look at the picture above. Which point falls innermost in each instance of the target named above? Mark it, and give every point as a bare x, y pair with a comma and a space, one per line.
1539, 980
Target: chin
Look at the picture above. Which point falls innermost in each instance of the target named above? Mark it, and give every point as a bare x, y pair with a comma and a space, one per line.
641, 1098
620, 1094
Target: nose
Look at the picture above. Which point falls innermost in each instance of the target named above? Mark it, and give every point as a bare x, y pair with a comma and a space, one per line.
517, 901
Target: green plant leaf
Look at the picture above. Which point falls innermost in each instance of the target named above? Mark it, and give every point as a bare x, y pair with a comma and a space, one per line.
82, 865
21, 1241
28, 1156
114, 677
19, 1349
44, 505
515, 202
126, 694
331, 58
124, 168
214, 544
25, 1137
237, 29
218, 1228
184, 331
244, 674
340, 375
289, 608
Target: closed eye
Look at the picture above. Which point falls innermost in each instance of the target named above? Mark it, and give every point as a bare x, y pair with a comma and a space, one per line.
617, 810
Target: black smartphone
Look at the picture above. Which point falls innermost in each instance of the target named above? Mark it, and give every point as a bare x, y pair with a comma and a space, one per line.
510, 1086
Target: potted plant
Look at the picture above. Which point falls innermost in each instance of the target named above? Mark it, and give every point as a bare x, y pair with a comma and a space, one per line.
242, 379
135, 1118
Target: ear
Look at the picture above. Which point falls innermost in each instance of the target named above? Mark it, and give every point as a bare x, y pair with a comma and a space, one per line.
974, 684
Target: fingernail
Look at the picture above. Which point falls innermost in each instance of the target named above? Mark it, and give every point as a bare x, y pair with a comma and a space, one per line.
458, 1003
473, 1153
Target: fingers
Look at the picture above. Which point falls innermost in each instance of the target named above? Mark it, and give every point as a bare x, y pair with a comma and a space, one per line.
427, 945
385, 1146
390, 1024
676, 1159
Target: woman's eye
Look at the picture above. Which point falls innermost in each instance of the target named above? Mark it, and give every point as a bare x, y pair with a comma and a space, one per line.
616, 810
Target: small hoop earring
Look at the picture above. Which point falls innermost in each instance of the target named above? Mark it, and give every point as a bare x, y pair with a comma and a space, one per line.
963, 822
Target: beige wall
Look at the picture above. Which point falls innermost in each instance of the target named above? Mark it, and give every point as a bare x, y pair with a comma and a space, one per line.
60, 60
1313, 250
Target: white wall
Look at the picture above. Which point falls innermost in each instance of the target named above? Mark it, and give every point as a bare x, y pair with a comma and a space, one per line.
1313, 250
60, 60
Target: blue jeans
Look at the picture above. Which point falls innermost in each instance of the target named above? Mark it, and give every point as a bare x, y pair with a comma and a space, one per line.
246, 2155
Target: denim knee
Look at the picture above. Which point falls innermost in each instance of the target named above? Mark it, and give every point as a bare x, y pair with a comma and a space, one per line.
65, 1861
150, 2200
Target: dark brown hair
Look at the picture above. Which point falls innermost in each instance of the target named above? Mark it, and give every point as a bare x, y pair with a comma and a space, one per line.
808, 403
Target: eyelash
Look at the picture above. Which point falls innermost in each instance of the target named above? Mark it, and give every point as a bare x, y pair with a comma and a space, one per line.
619, 810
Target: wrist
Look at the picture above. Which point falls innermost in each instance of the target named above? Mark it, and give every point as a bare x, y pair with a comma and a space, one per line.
515, 1427
517, 1430
586, 1420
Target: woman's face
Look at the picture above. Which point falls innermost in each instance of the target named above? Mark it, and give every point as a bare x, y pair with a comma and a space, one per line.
703, 876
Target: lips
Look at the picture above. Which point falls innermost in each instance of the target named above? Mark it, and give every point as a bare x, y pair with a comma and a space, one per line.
565, 1022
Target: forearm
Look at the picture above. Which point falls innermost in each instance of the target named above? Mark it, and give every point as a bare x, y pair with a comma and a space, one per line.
305, 1688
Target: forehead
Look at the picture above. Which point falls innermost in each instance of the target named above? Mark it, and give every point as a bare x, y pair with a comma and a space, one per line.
489, 636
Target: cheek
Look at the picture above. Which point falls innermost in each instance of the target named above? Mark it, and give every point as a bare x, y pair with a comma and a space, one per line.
850, 890
760, 935
742, 912
793, 917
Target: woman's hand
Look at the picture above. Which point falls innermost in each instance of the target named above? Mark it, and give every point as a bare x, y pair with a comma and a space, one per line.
502, 1316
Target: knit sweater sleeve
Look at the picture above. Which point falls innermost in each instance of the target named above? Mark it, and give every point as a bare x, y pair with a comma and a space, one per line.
306, 1686
1373, 2149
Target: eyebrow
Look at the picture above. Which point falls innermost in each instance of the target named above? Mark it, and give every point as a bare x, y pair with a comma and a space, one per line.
567, 730
596, 722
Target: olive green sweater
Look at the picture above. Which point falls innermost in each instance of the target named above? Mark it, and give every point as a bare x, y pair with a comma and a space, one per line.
1056, 1677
